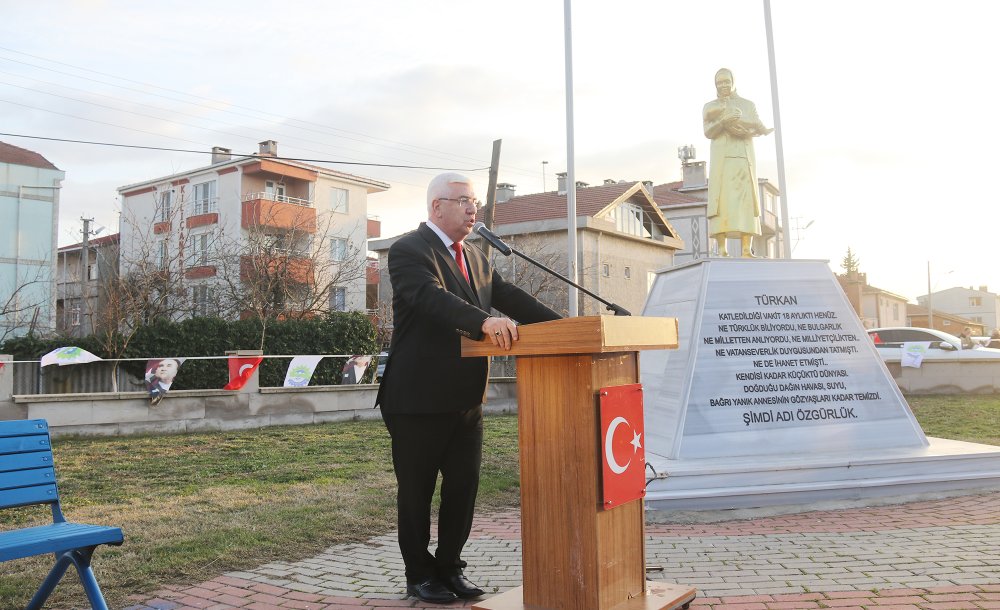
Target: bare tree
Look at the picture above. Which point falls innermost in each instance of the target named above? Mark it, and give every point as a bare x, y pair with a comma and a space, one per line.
288, 263
23, 298
149, 286
537, 282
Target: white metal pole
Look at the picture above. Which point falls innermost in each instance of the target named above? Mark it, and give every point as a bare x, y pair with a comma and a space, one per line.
572, 293
779, 147
930, 299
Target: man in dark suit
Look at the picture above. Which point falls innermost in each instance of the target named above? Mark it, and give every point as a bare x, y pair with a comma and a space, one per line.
431, 397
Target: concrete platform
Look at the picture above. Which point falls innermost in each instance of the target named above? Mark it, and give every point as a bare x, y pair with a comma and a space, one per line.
924, 554
747, 482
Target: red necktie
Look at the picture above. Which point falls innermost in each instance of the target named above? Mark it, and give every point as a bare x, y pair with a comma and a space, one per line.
457, 247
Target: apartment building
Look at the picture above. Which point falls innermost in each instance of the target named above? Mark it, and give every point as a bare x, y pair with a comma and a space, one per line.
29, 213
251, 235
622, 240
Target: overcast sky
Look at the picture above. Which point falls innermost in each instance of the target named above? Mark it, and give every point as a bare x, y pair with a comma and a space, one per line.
885, 106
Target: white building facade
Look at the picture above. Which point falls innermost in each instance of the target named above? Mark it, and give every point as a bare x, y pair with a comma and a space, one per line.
189, 224
29, 213
976, 304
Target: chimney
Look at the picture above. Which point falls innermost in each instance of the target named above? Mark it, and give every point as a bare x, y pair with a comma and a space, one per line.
694, 174
561, 180
580, 184
983, 289
505, 191
220, 154
649, 186
608, 181
268, 148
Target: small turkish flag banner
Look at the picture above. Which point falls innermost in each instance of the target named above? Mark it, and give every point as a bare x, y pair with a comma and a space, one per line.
240, 371
622, 453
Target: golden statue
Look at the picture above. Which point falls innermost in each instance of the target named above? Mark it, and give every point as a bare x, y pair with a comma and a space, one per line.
733, 195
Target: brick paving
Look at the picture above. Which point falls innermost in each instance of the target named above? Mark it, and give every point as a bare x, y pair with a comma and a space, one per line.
933, 554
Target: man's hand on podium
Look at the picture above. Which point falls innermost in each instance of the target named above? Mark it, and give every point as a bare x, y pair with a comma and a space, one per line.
501, 331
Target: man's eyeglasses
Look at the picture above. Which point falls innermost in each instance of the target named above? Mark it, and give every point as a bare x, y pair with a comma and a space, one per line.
465, 201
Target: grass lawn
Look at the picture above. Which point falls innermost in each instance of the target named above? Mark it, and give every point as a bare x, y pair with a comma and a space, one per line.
196, 505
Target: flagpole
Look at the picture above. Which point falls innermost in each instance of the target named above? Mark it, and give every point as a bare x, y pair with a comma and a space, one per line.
779, 146
572, 294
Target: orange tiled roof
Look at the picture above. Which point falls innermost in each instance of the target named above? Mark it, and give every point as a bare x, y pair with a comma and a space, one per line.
667, 194
550, 205
15, 155
94, 243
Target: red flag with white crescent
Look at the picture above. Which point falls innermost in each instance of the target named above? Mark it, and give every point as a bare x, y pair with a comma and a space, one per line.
622, 437
241, 370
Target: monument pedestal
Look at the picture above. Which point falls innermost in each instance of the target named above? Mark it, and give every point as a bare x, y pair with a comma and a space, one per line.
578, 553
778, 396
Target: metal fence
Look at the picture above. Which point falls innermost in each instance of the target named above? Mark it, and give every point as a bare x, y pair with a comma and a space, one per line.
30, 378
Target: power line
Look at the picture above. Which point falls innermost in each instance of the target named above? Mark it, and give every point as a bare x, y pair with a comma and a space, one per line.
245, 156
216, 105
175, 122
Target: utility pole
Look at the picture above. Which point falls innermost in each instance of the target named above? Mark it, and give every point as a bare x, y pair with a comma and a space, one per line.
491, 193
84, 276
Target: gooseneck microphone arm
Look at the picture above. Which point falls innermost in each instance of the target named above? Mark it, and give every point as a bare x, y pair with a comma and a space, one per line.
503, 248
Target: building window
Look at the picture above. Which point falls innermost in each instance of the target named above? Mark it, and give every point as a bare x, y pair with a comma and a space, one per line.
338, 200
92, 271
338, 249
204, 296
74, 315
164, 258
204, 198
977, 319
632, 219
338, 299
946, 322
628, 273
275, 191
606, 270
975, 301
198, 246
895, 311
166, 201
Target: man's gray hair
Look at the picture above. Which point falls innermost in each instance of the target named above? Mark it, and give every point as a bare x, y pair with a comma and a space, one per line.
439, 186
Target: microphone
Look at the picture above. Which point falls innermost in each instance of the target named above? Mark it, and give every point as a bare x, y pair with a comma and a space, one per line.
492, 237
480, 229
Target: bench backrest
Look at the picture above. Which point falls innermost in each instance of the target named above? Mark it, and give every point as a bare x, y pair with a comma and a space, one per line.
27, 475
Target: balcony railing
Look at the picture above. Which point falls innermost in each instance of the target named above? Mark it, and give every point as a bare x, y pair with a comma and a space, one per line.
278, 198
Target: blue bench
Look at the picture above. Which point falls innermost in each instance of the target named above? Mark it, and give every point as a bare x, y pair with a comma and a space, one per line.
28, 477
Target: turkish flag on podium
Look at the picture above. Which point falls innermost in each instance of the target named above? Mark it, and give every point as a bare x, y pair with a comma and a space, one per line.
240, 370
622, 455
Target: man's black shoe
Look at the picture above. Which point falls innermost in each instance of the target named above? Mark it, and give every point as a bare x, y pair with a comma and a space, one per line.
460, 586
431, 590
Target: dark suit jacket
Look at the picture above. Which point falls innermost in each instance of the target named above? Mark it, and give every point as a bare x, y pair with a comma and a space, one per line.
433, 306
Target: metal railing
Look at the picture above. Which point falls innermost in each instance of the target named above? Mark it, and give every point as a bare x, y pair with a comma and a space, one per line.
279, 198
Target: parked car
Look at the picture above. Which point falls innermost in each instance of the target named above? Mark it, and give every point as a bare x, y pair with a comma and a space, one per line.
943, 346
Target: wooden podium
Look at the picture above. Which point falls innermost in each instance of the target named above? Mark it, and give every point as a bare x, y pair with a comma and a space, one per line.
577, 555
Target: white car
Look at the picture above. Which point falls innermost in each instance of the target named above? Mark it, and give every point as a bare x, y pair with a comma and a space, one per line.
889, 342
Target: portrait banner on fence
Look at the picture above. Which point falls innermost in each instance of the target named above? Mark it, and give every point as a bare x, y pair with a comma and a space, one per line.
68, 355
355, 369
300, 371
160, 374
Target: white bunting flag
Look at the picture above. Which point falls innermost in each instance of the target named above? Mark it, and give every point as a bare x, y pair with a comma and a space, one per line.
300, 371
68, 355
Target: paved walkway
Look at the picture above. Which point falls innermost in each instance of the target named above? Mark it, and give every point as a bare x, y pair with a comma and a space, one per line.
936, 554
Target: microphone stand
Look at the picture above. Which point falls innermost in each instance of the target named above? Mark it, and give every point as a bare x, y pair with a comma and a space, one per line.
617, 309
